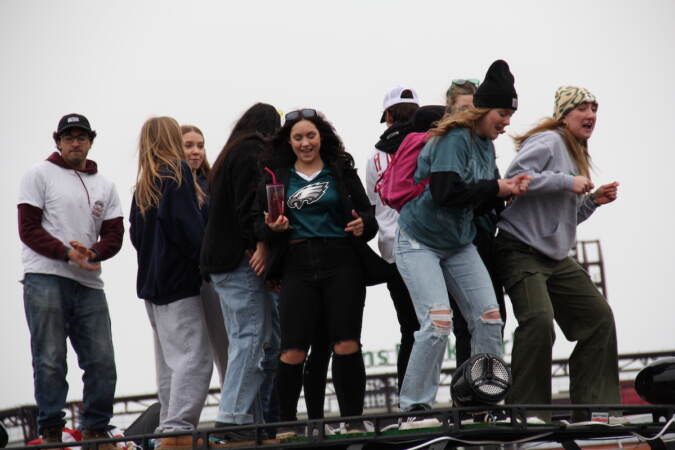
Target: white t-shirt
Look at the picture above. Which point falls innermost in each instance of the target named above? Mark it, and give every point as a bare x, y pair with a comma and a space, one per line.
387, 218
73, 204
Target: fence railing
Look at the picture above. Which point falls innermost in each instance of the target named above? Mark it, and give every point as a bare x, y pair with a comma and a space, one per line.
381, 397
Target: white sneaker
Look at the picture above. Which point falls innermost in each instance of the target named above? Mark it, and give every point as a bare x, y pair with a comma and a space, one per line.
530, 421
412, 423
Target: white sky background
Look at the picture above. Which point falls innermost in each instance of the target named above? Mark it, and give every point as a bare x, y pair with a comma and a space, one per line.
120, 62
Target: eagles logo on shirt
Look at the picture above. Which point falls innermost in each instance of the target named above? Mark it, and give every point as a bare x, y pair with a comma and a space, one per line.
307, 195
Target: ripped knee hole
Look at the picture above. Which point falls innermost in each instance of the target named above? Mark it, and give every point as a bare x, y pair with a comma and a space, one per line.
441, 319
491, 315
293, 356
346, 347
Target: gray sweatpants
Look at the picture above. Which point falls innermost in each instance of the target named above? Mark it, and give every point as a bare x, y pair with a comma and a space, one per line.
215, 326
182, 360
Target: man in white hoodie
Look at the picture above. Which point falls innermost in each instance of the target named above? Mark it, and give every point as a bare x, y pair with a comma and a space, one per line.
70, 220
400, 104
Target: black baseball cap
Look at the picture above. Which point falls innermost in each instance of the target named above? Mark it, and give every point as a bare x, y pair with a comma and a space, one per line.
74, 121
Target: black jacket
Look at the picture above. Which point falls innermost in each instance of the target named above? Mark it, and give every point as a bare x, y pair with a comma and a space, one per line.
229, 230
167, 240
352, 197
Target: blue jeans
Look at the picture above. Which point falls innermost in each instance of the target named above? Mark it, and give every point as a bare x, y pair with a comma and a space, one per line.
429, 274
247, 310
58, 308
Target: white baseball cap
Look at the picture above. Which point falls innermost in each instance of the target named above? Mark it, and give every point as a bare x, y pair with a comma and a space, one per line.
394, 97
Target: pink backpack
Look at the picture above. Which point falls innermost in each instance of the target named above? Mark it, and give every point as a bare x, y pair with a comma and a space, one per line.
396, 186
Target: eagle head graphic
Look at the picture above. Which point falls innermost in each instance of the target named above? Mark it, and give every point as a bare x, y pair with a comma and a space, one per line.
307, 195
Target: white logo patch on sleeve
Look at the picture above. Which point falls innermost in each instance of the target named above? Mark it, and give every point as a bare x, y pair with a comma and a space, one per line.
307, 195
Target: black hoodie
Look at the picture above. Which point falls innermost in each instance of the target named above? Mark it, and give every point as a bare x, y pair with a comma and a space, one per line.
229, 230
393, 136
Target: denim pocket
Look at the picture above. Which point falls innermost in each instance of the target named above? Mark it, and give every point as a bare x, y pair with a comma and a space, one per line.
406, 241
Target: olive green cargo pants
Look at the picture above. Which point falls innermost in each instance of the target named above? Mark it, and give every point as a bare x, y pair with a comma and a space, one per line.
542, 290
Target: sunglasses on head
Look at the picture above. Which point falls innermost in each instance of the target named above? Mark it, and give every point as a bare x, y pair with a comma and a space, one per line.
304, 113
461, 82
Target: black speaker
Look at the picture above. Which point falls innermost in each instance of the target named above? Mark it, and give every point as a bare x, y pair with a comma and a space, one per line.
146, 423
483, 379
4, 437
656, 382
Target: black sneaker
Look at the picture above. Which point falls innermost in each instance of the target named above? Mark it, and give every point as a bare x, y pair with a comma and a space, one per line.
236, 435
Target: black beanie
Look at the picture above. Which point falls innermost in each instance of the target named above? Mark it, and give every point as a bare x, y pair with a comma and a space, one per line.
425, 116
497, 90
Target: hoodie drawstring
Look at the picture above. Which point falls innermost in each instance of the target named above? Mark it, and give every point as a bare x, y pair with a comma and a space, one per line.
83, 185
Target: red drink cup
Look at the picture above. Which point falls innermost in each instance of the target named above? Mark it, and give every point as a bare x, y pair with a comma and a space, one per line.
275, 201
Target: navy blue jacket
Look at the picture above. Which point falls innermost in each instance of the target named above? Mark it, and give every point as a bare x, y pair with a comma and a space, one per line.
167, 241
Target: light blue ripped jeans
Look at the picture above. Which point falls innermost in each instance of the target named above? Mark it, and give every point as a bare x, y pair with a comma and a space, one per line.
429, 274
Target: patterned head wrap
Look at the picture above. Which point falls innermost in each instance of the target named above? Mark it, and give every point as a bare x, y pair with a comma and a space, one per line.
569, 97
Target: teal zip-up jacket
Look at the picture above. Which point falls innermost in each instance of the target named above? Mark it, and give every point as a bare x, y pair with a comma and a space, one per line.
463, 173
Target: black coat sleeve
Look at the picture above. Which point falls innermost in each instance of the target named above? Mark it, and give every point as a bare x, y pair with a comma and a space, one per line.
360, 203
244, 178
448, 189
492, 205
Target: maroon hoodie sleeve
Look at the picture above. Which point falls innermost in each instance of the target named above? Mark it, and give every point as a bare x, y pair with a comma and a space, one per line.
112, 231
36, 237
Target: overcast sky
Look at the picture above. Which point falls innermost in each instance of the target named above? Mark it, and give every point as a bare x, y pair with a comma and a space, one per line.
204, 63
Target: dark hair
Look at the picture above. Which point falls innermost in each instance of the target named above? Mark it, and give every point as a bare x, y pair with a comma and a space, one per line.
426, 117
261, 121
402, 112
332, 149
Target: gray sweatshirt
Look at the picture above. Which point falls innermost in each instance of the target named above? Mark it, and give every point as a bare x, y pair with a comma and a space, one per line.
546, 216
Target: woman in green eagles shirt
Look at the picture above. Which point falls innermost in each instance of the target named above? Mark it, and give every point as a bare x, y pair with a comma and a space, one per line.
317, 247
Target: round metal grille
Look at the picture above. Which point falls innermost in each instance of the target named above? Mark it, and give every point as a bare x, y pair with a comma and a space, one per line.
484, 378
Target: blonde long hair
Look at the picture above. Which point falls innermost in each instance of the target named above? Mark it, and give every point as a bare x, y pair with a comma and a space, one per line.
160, 146
467, 118
577, 149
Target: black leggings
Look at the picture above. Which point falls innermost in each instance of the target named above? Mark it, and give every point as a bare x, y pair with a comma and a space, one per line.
407, 320
314, 375
322, 292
